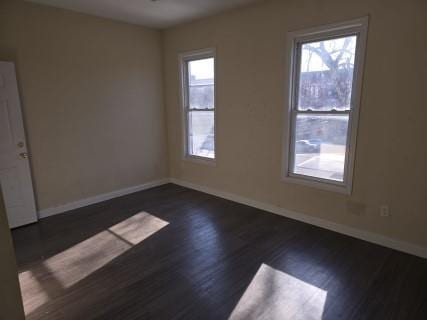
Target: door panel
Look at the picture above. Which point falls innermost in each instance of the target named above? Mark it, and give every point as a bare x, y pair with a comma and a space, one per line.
15, 175
6, 138
10, 186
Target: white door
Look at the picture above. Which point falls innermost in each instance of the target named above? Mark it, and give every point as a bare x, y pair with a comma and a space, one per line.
15, 175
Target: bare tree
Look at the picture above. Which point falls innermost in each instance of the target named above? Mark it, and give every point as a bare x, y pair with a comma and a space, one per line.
339, 65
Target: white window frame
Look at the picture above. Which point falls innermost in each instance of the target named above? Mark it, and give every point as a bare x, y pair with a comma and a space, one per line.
357, 27
184, 59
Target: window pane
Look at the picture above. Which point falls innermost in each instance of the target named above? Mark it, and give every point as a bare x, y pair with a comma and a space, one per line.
201, 134
201, 83
320, 146
326, 74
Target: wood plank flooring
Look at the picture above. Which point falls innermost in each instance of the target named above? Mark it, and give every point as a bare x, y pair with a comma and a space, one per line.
175, 253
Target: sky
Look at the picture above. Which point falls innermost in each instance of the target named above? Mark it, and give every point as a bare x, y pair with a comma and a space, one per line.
202, 69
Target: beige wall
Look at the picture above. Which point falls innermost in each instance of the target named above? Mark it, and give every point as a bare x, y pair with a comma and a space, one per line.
92, 95
10, 303
92, 99
251, 67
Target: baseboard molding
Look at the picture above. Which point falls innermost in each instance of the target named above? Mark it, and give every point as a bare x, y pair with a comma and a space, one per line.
99, 198
340, 228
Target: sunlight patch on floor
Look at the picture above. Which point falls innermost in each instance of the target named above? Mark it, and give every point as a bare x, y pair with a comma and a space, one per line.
138, 227
49, 277
32, 291
273, 294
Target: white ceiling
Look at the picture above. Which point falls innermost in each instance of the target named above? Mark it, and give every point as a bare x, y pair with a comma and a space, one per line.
158, 13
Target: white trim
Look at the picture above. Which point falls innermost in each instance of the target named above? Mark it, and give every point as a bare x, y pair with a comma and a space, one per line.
200, 160
183, 59
359, 27
99, 198
322, 223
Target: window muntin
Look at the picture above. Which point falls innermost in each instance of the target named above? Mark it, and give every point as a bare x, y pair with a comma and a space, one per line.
199, 104
325, 90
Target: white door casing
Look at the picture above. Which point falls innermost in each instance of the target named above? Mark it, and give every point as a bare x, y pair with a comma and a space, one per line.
15, 174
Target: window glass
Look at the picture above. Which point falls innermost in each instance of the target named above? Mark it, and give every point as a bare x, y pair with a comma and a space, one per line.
320, 146
201, 134
201, 83
326, 74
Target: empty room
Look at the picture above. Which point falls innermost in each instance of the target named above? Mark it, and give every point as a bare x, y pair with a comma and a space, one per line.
213, 159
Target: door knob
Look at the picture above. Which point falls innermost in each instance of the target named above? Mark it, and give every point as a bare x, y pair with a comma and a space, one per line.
23, 155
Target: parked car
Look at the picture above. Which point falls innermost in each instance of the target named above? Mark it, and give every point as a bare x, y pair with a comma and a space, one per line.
315, 141
307, 146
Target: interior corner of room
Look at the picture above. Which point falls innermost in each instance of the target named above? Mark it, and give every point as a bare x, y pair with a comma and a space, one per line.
198, 138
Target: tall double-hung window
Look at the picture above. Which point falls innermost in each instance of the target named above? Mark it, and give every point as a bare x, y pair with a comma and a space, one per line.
198, 95
326, 66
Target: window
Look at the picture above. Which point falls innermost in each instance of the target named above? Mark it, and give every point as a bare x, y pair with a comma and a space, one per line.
325, 85
198, 86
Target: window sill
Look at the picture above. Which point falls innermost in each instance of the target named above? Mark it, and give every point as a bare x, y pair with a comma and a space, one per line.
200, 160
317, 184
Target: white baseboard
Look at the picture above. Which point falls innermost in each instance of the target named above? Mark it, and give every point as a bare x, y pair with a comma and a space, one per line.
340, 228
99, 198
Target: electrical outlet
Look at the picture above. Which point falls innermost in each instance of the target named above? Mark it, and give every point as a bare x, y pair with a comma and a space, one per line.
385, 211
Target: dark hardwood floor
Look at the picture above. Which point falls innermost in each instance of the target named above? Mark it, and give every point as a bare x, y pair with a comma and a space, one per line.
175, 253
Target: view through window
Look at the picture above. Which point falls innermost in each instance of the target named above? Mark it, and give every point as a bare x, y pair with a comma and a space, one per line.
199, 100
321, 112
323, 106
